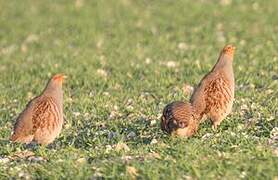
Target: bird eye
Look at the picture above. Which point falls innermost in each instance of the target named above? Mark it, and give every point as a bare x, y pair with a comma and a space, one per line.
182, 124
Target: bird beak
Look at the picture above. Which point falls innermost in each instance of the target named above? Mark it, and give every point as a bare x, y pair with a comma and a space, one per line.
65, 77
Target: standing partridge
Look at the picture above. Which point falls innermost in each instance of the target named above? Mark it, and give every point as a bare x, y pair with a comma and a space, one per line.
213, 98
42, 119
178, 119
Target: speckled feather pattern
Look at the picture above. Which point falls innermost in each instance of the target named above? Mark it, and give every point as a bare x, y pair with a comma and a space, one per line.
213, 98
178, 119
47, 121
218, 94
46, 114
42, 119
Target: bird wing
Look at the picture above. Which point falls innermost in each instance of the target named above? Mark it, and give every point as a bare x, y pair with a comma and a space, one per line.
45, 114
198, 97
40, 113
24, 126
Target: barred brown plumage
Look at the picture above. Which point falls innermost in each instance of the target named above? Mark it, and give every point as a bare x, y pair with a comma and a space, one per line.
46, 112
42, 119
215, 93
178, 119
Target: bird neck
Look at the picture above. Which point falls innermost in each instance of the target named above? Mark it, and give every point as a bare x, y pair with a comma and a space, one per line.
224, 62
54, 90
194, 124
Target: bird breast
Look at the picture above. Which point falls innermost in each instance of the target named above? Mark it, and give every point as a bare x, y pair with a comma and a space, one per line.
47, 115
219, 93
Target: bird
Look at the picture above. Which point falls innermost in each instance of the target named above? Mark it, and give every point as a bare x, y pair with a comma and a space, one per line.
42, 119
178, 119
213, 97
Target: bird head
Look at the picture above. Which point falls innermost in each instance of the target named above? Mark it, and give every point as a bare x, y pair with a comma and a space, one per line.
58, 78
229, 50
177, 119
55, 84
177, 123
182, 128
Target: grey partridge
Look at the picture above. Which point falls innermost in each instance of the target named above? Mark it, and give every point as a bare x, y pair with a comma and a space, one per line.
42, 119
214, 96
178, 119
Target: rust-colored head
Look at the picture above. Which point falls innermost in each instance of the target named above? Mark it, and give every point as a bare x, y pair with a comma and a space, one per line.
58, 78
229, 50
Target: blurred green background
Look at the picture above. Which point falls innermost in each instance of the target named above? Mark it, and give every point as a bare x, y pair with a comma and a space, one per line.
126, 60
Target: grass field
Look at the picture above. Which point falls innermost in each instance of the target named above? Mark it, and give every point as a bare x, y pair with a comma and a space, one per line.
125, 61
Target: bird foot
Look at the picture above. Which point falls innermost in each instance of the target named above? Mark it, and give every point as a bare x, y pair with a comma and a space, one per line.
214, 127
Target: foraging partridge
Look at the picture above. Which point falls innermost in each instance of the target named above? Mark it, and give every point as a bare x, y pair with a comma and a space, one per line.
178, 119
42, 119
213, 98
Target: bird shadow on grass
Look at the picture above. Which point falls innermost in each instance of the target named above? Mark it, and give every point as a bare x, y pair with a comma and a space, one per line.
19, 152
13, 147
